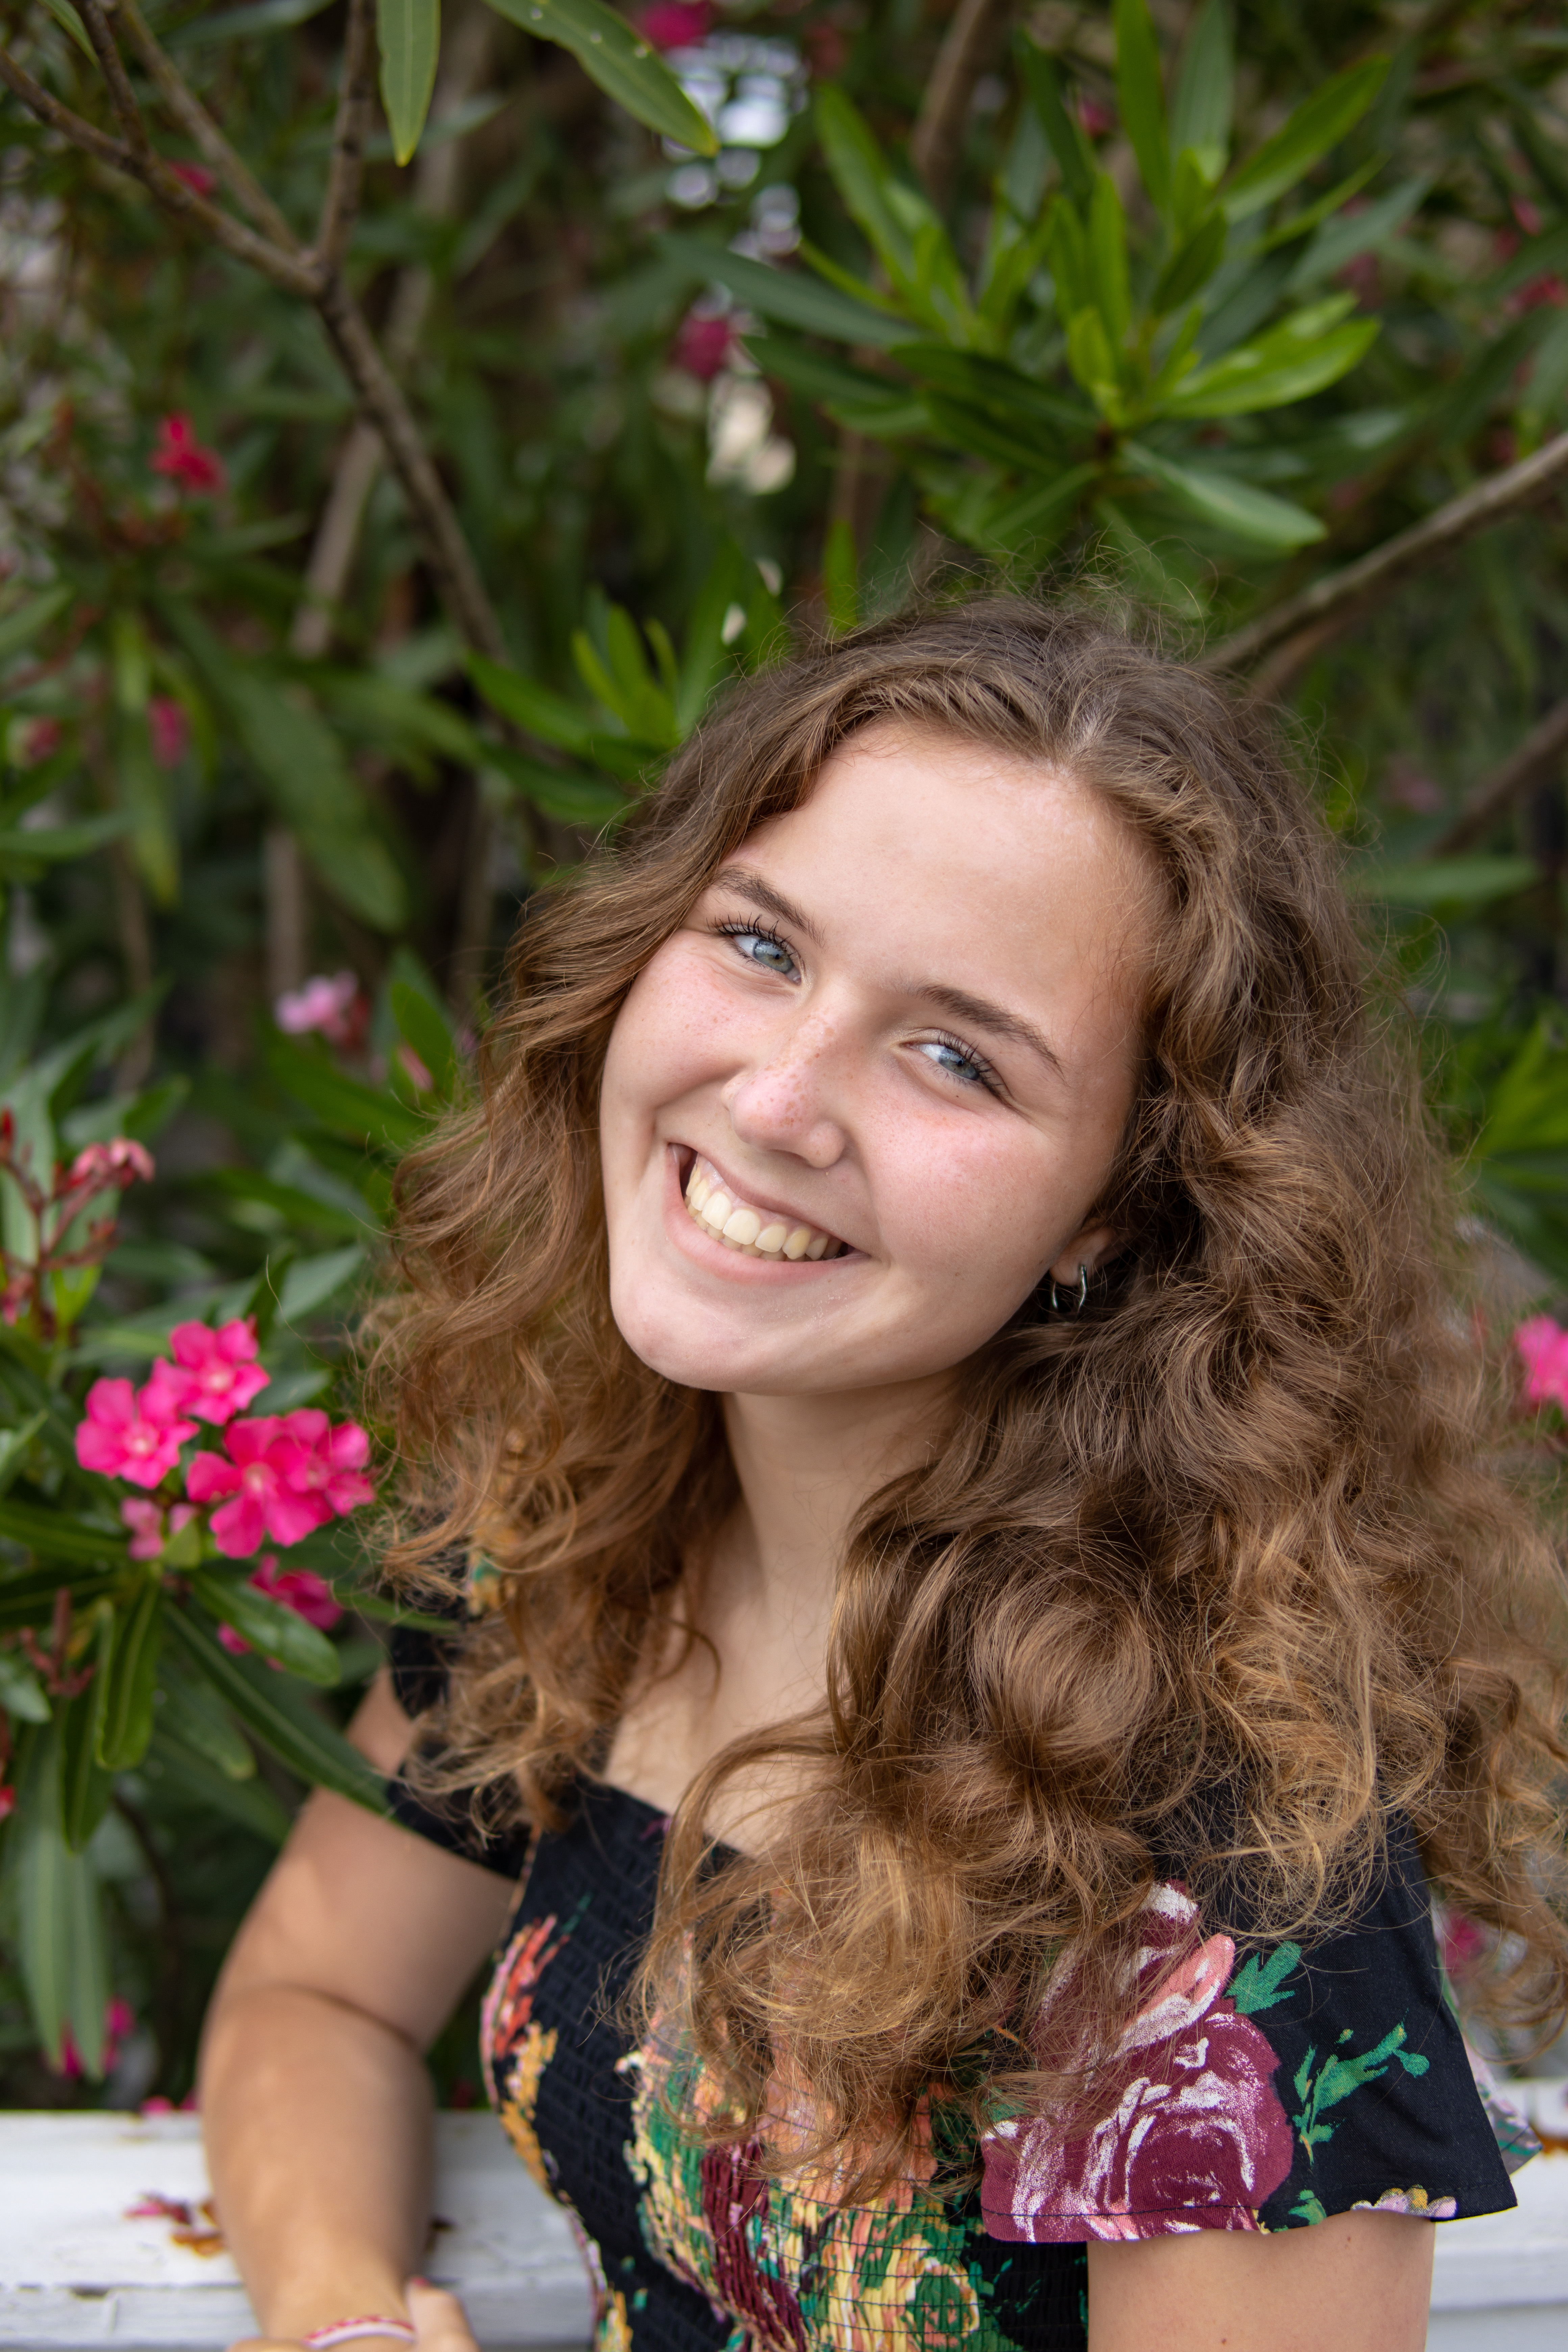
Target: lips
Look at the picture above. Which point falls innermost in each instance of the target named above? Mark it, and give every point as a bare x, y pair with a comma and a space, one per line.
726, 1215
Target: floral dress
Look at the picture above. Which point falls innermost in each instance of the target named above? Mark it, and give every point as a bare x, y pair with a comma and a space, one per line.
1263, 2090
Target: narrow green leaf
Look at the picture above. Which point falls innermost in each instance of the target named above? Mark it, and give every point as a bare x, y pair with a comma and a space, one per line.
13, 1446
1107, 259
1446, 881
186, 1768
1067, 253
624, 65
1092, 361
260, 17
191, 1711
60, 1941
820, 376
312, 1281
51, 1534
125, 1717
1319, 124
1075, 157
278, 1633
862, 177
423, 1028
1143, 96
344, 1106
85, 1786
65, 17
409, 33
785, 295
1236, 507
570, 793
1340, 240
20, 626
1190, 267
532, 707
54, 845
1294, 360
309, 1748
1201, 111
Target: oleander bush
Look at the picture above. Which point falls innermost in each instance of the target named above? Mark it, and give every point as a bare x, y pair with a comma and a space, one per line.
407, 427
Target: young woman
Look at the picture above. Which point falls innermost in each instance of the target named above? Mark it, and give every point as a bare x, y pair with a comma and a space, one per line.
933, 1349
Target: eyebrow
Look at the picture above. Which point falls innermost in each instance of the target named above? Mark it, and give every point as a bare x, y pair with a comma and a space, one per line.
978, 1011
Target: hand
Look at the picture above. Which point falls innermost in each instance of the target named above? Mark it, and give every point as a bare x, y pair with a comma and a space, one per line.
439, 2317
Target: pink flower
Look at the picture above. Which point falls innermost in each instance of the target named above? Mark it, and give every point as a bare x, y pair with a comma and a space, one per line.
333, 1006
1195, 2133
300, 1589
703, 345
288, 1474
119, 1162
196, 177
40, 738
676, 24
1542, 1346
131, 1434
147, 1519
218, 1374
1410, 2200
182, 457
7, 1801
169, 730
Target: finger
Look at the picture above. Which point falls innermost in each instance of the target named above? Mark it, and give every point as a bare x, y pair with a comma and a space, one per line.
442, 2322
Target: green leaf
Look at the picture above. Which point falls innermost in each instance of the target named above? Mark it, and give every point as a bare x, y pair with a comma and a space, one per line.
185, 1767
861, 175
1290, 362
1141, 94
570, 793
624, 65
278, 1633
312, 1281
60, 1941
1092, 361
1067, 252
1075, 157
344, 1106
54, 845
422, 1027
22, 1694
409, 33
125, 1717
1236, 507
1319, 124
1445, 881
1107, 259
13, 1446
840, 578
261, 17
1200, 113
21, 626
1338, 241
85, 1786
1191, 265
532, 707
191, 1711
784, 295
309, 1748
53, 1534
65, 17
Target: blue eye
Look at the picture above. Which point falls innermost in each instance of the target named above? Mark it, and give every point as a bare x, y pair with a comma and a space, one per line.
958, 1061
763, 948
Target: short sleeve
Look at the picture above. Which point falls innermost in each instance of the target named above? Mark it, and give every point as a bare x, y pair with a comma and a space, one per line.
420, 1663
1268, 2089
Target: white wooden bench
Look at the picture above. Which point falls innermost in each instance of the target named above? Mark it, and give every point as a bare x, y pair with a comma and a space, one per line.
77, 2269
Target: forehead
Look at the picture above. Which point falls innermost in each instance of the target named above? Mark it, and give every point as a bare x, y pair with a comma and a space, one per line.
1007, 862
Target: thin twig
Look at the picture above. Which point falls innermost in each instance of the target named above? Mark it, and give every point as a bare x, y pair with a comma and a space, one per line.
122, 98
964, 54
1541, 750
340, 206
193, 118
284, 270
1330, 603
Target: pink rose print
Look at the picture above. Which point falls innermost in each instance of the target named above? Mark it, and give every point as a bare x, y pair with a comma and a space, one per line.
1198, 2137
131, 1434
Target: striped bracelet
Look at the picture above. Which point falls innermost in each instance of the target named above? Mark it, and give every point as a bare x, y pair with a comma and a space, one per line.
348, 2331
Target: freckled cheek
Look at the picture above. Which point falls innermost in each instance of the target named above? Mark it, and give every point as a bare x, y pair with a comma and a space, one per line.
672, 1032
949, 1203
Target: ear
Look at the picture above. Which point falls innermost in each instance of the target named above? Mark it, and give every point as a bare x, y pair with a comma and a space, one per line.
1088, 1248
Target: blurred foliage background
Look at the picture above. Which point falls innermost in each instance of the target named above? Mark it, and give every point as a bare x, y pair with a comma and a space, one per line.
1210, 302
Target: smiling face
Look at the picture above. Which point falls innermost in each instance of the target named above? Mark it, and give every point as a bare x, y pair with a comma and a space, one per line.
867, 1094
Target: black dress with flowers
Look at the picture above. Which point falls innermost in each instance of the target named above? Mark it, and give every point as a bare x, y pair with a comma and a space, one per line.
1257, 2091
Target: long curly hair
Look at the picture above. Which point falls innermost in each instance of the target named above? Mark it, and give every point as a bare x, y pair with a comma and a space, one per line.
1210, 1579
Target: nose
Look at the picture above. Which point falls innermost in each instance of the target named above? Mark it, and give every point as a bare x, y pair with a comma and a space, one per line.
782, 1100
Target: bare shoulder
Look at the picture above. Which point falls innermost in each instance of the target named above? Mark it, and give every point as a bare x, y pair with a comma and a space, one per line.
1357, 2282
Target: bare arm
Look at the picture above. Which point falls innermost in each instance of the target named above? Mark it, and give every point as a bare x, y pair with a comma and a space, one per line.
1359, 2282
315, 2100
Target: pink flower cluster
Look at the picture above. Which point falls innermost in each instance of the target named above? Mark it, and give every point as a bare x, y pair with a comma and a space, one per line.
309, 1596
185, 460
284, 1474
333, 1005
1542, 1347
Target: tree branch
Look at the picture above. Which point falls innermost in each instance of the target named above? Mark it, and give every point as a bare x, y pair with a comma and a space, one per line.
964, 54
1541, 750
1330, 603
185, 108
121, 96
340, 207
284, 270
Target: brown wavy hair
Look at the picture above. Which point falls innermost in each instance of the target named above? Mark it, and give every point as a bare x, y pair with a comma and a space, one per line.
1220, 1573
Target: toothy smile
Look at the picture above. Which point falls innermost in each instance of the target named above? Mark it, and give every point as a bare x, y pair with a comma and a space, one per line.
720, 1211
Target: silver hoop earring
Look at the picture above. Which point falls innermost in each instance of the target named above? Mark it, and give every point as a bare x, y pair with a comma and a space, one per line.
1076, 1306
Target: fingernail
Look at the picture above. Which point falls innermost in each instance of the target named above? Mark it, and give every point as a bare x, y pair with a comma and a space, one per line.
417, 2280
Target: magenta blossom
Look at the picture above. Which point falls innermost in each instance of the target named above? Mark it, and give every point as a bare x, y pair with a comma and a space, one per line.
1542, 1346
309, 1596
333, 1005
131, 1434
215, 1374
286, 1475
147, 1521
182, 459
676, 24
168, 730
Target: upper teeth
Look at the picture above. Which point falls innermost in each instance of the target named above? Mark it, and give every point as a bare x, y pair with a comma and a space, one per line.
759, 1232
